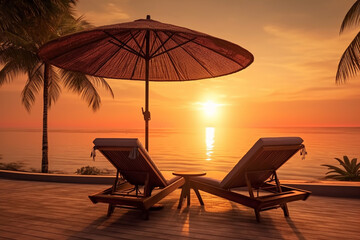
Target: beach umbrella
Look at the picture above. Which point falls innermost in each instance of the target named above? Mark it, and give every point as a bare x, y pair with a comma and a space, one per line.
146, 50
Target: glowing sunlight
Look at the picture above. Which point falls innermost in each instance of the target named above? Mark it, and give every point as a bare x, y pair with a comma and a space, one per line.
210, 108
210, 140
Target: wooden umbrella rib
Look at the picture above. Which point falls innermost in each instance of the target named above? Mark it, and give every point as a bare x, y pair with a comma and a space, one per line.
162, 44
152, 45
133, 72
170, 49
215, 52
192, 55
102, 64
133, 37
137, 59
122, 44
171, 60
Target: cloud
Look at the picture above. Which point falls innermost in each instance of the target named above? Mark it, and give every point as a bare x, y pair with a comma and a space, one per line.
335, 92
307, 44
104, 14
298, 63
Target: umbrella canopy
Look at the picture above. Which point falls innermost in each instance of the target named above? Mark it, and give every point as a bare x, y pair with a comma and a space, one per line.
146, 50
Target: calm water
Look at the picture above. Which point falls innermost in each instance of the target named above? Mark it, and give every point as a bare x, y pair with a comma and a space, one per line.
207, 149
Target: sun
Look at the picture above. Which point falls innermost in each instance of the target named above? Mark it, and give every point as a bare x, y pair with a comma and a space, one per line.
210, 108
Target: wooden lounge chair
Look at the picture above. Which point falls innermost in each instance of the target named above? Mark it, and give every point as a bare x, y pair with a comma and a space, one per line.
257, 171
138, 182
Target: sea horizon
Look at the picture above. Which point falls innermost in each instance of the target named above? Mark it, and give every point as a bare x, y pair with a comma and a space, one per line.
209, 149
75, 129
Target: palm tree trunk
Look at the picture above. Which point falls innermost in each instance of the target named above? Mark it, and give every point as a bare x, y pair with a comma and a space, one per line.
45, 160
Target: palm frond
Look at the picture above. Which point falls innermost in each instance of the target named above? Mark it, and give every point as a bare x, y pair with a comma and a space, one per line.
14, 13
80, 83
350, 173
346, 164
21, 59
353, 164
357, 167
54, 88
83, 24
32, 87
335, 169
99, 81
349, 64
337, 173
352, 17
69, 24
8, 72
340, 161
346, 160
336, 177
17, 39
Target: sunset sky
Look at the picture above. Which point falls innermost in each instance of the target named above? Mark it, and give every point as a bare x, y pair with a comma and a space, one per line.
291, 83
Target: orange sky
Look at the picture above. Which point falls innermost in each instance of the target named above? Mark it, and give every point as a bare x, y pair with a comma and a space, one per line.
296, 45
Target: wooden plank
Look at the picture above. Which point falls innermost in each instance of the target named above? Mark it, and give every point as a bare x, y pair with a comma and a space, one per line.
63, 211
232, 196
139, 202
157, 196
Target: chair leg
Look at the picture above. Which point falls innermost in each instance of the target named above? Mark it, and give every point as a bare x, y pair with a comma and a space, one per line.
198, 196
285, 209
188, 195
110, 210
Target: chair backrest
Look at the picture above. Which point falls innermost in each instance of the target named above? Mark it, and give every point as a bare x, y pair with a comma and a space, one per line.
259, 163
130, 158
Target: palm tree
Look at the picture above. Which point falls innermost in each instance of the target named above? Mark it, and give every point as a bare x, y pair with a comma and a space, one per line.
18, 54
350, 171
15, 12
349, 64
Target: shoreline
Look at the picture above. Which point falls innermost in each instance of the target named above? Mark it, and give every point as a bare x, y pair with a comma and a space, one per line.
340, 189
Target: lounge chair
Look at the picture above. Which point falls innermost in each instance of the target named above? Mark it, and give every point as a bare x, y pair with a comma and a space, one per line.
138, 182
257, 171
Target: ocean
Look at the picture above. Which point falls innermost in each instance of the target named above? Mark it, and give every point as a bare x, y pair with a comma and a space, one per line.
213, 150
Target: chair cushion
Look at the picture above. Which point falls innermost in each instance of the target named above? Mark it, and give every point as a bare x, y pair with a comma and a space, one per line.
116, 142
132, 159
256, 159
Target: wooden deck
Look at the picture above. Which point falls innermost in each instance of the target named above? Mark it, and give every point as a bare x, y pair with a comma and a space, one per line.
43, 210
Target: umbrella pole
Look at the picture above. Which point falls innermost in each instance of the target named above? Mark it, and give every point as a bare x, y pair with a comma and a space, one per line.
147, 113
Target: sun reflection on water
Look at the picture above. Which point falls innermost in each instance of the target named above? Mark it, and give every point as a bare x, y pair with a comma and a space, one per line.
210, 140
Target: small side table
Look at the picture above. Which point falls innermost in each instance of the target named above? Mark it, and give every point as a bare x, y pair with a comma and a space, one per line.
185, 192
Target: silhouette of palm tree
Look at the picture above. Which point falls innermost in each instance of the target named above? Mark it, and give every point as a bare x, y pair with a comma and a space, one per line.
21, 36
349, 64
